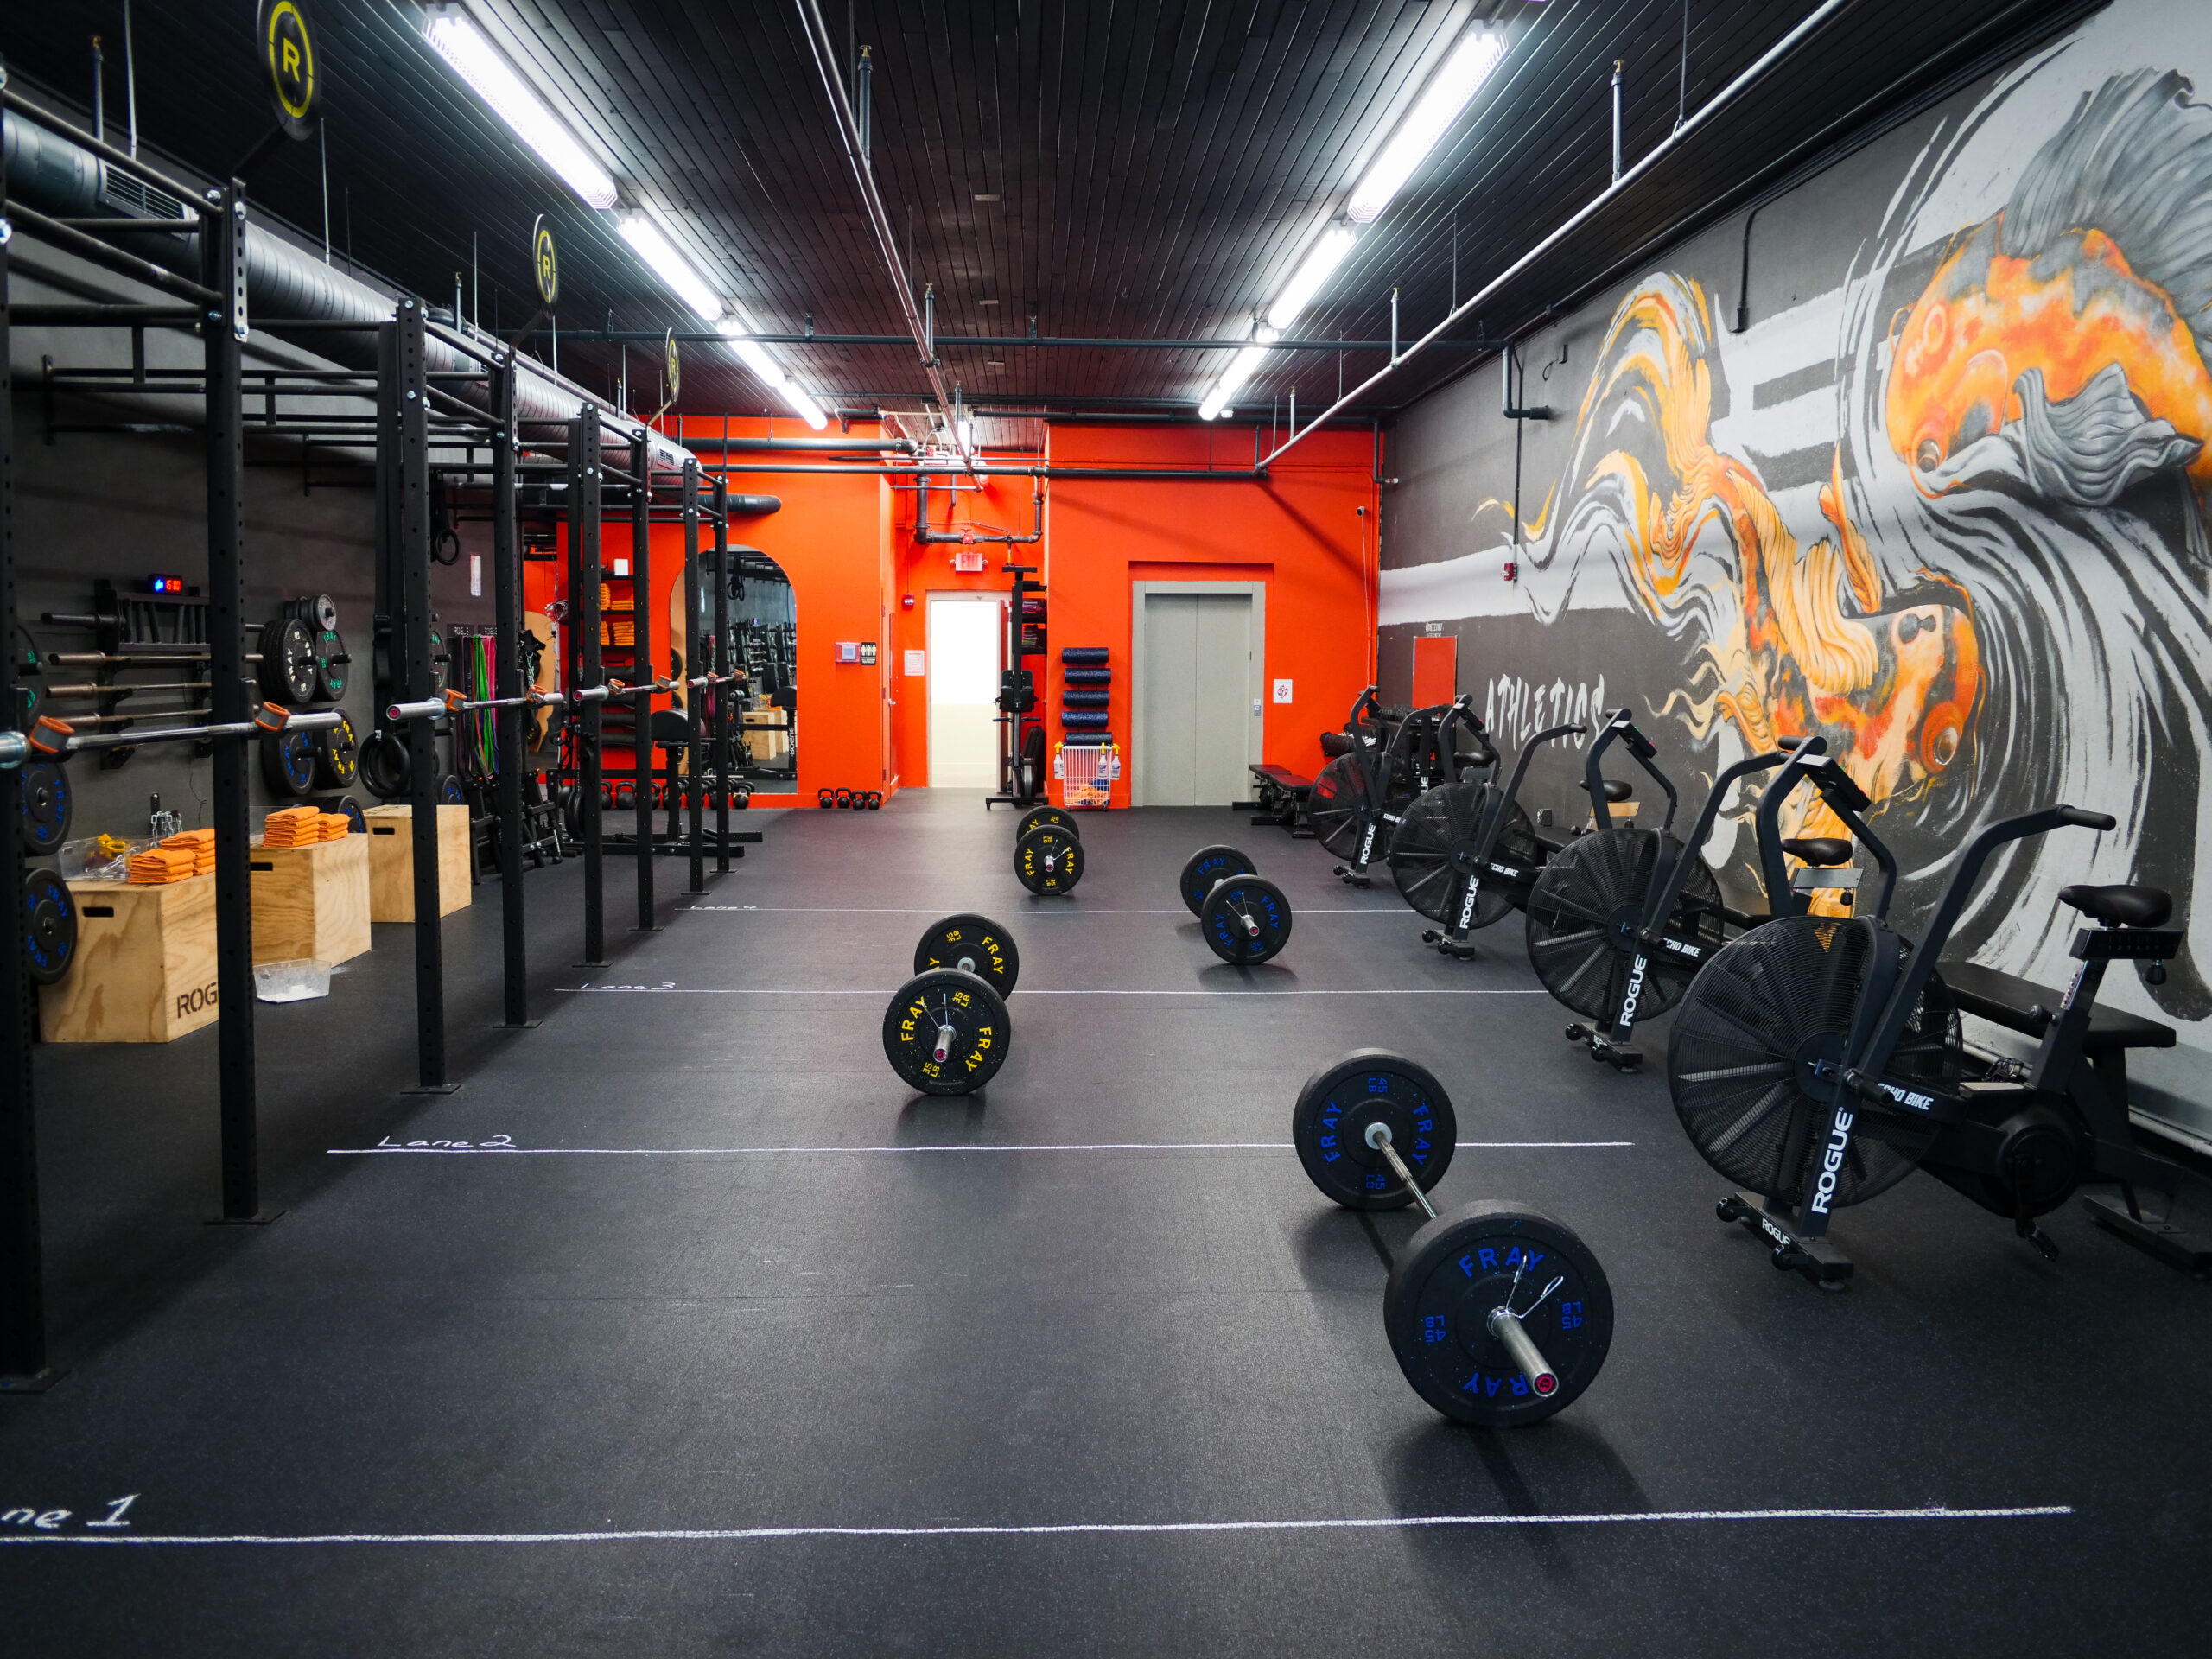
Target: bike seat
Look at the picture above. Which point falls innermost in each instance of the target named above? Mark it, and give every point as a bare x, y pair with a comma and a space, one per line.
2120, 907
1820, 851
1335, 743
1617, 789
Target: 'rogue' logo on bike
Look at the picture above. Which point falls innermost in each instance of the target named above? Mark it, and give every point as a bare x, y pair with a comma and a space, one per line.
1635, 990
1832, 1161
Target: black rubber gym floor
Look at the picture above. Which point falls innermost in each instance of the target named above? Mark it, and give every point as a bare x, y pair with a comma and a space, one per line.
740, 1348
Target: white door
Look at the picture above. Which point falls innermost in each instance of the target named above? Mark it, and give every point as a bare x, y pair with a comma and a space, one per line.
962, 674
1196, 690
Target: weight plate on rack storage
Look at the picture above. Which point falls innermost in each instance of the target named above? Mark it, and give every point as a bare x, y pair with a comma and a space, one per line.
44, 803
450, 792
946, 1032
440, 659
337, 755
288, 763
973, 943
1245, 919
1048, 860
288, 663
49, 927
331, 661
1329, 1125
1462, 1266
321, 612
1207, 866
1037, 814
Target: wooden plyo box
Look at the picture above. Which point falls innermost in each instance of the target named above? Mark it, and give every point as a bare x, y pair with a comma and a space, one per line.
145, 966
312, 901
391, 861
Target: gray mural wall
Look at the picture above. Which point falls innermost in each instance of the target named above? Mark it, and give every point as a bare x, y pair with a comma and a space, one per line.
1938, 492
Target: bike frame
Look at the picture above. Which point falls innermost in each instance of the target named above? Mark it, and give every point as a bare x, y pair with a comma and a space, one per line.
1453, 939
1374, 806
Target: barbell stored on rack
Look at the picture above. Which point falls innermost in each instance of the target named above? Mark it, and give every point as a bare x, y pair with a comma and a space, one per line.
57, 737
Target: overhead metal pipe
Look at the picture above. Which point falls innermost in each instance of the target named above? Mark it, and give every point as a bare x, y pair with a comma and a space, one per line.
57, 172
993, 342
825, 60
1727, 95
880, 469
1616, 120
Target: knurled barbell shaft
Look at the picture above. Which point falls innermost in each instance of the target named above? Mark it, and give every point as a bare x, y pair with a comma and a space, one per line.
1378, 1136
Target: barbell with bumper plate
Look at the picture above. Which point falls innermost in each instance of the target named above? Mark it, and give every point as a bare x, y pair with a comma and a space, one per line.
973, 943
1245, 919
49, 926
946, 1032
1048, 860
1330, 1120
44, 805
1207, 866
1499, 1314
1054, 814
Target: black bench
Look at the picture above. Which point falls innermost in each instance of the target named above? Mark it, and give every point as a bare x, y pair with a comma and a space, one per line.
1282, 798
2023, 1005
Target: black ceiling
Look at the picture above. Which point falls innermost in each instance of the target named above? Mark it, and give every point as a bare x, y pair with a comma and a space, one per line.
1159, 165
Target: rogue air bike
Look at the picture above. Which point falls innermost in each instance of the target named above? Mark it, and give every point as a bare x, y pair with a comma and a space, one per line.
1620, 921
1818, 1061
1383, 764
1466, 855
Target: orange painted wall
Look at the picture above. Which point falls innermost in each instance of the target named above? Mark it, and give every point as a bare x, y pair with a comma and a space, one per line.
831, 536
919, 570
847, 544
1300, 532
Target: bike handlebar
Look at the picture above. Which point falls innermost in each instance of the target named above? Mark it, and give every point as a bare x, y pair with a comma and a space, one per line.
1904, 1000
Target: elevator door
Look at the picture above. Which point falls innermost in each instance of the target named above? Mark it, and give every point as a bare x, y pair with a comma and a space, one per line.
1197, 690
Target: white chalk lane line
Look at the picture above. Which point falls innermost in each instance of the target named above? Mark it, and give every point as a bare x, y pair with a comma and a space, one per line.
1094, 1529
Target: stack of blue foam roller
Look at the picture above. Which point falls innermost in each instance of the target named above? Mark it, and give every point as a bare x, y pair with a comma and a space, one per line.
1086, 687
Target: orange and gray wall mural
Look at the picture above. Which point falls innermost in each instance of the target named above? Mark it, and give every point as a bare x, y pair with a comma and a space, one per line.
1935, 482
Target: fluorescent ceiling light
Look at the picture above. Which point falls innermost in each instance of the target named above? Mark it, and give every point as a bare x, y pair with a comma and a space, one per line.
1321, 264
804, 406
751, 353
661, 257
1240, 369
457, 40
1456, 83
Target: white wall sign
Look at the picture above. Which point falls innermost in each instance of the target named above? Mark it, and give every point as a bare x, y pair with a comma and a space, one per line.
1282, 690
914, 661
